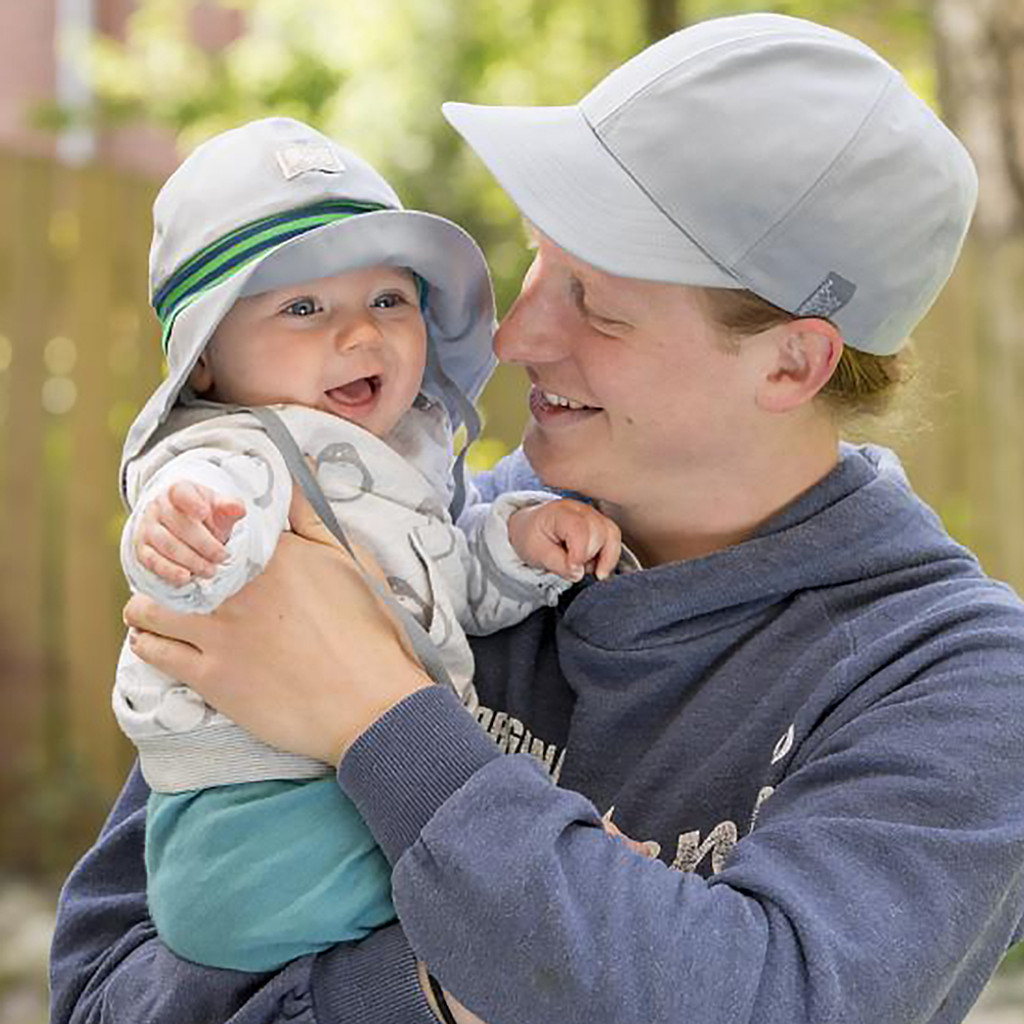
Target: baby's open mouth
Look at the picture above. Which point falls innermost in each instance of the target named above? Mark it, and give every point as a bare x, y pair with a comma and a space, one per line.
356, 392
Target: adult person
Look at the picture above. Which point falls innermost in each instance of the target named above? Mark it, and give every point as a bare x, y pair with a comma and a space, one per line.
810, 697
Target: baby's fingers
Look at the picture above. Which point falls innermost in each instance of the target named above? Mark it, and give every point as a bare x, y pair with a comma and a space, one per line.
226, 512
195, 515
189, 499
583, 536
168, 570
574, 534
611, 549
180, 549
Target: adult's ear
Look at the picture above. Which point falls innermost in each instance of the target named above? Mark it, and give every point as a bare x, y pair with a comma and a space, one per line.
201, 377
803, 356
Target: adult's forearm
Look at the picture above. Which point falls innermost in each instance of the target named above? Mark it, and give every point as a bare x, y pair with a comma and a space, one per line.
527, 911
514, 894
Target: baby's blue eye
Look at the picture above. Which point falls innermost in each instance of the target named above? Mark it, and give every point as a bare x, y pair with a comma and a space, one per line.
389, 300
302, 307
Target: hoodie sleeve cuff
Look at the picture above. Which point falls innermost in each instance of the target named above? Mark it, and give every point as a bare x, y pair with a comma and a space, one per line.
370, 982
409, 762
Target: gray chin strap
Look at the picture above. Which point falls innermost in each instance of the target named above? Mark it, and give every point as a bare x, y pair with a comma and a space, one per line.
454, 398
422, 645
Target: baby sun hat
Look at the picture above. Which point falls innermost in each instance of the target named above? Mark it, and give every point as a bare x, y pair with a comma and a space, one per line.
273, 203
761, 152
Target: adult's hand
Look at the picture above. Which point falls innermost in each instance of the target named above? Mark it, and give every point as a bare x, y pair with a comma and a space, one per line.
305, 656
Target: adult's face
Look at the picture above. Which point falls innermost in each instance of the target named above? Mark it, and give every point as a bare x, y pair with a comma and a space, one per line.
634, 392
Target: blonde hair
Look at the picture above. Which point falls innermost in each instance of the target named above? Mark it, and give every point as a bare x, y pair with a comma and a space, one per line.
862, 384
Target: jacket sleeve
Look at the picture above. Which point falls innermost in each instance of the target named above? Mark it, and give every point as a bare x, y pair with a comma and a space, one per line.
259, 479
512, 473
108, 967
501, 588
881, 882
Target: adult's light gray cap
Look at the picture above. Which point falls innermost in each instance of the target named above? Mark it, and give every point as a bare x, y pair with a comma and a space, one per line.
759, 151
232, 221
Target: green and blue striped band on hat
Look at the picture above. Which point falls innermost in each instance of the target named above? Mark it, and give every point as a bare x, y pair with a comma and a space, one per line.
225, 257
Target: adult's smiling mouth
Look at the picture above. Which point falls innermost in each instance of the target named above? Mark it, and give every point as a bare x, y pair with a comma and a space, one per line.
549, 407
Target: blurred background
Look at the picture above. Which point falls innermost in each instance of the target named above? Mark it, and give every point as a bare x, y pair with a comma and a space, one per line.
99, 100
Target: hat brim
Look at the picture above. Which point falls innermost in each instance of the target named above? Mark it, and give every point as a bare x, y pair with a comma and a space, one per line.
459, 312
568, 185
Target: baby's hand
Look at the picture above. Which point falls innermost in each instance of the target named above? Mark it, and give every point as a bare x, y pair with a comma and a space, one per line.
567, 538
650, 848
182, 532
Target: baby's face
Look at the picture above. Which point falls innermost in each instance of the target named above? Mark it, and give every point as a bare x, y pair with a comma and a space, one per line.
353, 345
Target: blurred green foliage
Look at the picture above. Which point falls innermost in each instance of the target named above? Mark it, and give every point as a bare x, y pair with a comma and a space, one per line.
374, 76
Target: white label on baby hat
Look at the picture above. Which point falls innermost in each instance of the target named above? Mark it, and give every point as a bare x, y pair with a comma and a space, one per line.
300, 157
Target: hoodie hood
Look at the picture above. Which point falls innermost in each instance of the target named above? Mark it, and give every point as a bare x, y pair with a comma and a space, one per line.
856, 527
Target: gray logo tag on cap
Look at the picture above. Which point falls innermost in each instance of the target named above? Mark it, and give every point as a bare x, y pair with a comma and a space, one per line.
301, 157
829, 297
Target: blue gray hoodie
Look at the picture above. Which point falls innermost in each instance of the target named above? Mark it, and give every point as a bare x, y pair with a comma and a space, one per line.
822, 727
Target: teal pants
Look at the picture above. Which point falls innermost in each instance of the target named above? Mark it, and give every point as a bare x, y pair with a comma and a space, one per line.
254, 875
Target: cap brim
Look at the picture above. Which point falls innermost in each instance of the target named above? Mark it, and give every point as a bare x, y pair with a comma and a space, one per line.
569, 186
459, 313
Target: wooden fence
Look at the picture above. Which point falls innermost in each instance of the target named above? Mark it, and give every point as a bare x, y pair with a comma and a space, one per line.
78, 355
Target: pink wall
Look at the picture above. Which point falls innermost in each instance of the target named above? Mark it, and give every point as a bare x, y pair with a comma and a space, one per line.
28, 69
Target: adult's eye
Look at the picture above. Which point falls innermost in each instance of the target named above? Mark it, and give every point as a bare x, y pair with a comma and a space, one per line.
608, 327
302, 307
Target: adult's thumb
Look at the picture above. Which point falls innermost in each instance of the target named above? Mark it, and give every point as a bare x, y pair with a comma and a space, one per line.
306, 523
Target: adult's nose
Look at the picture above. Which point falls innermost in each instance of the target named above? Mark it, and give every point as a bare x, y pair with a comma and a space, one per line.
534, 329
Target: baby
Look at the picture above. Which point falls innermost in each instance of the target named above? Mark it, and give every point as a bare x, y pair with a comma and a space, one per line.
307, 316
